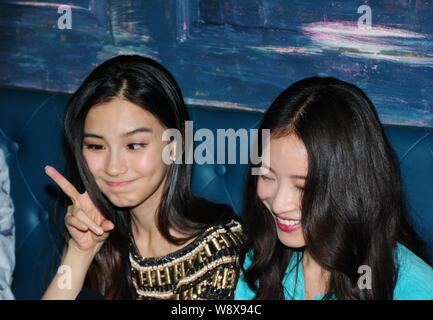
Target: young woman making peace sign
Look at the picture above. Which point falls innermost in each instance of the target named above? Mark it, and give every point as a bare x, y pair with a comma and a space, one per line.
136, 231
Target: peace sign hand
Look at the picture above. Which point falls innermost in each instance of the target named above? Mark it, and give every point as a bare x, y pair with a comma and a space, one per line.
86, 225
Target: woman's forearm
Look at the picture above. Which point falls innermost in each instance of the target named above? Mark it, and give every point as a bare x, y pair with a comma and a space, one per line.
69, 279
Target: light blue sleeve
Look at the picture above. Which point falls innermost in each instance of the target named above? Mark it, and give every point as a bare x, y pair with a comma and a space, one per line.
415, 278
243, 291
7, 233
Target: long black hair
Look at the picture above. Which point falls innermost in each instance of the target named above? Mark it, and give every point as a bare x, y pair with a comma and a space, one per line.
149, 85
353, 208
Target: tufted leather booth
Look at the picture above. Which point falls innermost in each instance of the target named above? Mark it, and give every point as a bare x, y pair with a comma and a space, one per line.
30, 124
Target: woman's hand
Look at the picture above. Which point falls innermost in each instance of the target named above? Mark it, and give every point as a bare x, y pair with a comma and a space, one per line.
86, 225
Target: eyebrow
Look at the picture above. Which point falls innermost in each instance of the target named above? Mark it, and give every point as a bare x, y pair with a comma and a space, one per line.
126, 134
294, 176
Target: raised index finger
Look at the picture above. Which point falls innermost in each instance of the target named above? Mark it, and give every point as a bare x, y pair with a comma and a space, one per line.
63, 183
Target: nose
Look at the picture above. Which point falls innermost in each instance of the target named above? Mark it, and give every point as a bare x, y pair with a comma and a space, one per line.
116, 164
285, 201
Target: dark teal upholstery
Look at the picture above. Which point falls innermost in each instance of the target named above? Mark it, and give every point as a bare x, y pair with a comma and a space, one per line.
30, 124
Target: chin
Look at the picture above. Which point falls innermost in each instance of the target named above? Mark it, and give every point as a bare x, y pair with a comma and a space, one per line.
293, 244
295, 241
122, 203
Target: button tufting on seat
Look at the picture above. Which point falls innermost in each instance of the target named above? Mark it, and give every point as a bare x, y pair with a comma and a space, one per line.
220, 169
43, 215
15, 146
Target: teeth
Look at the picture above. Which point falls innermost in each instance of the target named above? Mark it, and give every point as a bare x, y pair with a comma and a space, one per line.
289, 222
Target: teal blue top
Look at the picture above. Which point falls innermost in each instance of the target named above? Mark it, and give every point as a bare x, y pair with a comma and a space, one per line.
414, 282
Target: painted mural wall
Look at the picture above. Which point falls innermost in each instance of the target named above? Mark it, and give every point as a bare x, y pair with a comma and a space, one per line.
231, 53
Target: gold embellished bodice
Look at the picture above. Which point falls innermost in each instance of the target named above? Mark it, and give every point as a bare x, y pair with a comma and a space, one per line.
206, 268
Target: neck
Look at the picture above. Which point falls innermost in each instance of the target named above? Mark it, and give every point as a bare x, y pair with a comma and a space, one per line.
144, 224
316, 278
309, 263
149, 240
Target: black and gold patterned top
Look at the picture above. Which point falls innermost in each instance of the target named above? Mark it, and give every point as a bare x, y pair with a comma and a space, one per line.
206, 268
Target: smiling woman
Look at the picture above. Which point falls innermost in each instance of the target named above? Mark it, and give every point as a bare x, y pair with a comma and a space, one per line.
135, 229
332, 204
123, 148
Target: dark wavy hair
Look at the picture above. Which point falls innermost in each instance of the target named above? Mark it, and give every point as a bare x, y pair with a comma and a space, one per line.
149, 85
353, 208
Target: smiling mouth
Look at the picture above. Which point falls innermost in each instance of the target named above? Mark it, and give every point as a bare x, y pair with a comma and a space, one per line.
288, 225
118, 184
288, 222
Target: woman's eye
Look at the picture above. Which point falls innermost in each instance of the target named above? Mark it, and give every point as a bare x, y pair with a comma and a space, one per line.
300, 189
265, 178
136, 146
94, 147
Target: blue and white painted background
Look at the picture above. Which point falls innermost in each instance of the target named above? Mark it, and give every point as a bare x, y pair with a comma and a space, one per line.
231, 53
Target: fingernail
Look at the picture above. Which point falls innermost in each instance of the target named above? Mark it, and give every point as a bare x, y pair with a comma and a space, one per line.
100, 231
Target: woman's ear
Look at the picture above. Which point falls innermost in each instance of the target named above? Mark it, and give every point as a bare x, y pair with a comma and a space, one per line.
173, 150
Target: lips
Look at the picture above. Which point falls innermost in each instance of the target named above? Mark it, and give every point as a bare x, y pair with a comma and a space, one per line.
288, 225
116, 184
